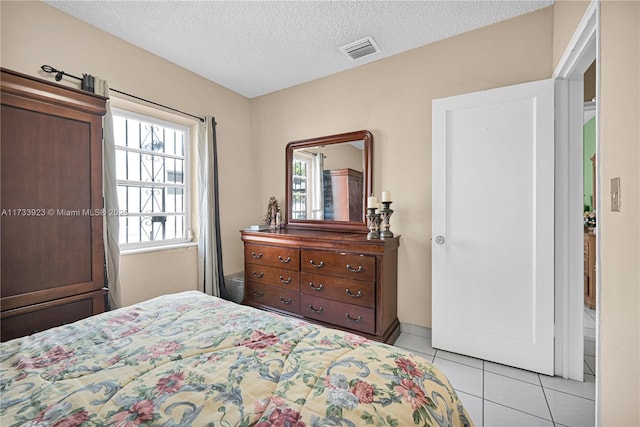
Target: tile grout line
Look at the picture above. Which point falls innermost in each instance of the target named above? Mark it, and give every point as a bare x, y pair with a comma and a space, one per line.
546, 400
568, 393
520, 410
515, 408
512, 378
483, 363
588, 367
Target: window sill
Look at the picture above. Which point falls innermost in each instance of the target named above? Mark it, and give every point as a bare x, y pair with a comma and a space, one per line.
134, 251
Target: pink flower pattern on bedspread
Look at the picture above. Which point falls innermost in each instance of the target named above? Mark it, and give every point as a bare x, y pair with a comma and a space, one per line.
190, 359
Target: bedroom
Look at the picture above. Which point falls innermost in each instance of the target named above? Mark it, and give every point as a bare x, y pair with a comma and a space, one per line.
522, 49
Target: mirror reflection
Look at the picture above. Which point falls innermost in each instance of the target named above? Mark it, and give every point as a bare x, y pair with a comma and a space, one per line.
328, 179
328, 182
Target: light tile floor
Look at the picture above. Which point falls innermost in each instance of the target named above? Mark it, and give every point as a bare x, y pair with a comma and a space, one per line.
498, 395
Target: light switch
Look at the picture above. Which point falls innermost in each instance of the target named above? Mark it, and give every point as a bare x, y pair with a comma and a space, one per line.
615, 194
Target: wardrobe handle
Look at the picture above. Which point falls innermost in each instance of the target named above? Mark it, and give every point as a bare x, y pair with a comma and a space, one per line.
319, 288
358, 295
284, 261
358, 319
286, 282
353, 270
285, 301
317, 265
258, 293
317, 310
253, 254
258, 276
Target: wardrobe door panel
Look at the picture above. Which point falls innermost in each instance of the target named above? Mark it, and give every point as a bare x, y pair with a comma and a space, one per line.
44, 170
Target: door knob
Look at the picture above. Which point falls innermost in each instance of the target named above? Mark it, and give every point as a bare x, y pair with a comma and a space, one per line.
439, 240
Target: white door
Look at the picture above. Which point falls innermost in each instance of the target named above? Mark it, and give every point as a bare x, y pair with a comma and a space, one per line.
493, 229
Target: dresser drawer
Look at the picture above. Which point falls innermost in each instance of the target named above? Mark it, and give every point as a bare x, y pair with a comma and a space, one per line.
272, 256
273, 276
348, 316
338, 289
273, 297
350, 266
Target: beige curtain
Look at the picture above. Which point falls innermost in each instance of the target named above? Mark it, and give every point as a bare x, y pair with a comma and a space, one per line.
210, 273
317, 186
110, 188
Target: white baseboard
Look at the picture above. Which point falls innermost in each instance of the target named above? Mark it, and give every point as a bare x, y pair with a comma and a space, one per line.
419, 331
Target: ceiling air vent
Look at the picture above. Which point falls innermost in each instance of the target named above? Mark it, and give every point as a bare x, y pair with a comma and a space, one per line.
360, 48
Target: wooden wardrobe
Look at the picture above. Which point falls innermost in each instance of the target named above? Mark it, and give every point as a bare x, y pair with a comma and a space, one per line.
343, 195
51, 241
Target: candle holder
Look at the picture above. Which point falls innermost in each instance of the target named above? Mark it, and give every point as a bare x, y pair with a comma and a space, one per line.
385, 214
374, 224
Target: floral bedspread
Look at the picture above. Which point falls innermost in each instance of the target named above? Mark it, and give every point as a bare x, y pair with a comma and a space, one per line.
190, 359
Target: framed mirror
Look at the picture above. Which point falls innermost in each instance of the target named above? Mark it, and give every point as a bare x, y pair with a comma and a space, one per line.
328, 180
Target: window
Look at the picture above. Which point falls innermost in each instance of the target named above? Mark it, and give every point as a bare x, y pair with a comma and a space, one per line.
300, 205
152, 178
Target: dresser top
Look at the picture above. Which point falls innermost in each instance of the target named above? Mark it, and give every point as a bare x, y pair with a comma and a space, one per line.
298, 237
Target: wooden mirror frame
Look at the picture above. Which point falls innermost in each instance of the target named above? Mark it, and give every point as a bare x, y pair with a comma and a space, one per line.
359, 226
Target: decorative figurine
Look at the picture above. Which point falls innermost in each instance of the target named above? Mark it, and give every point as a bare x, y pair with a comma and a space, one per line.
272, 211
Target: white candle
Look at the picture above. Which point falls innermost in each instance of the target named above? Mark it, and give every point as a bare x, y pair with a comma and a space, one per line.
372, 202
386, 196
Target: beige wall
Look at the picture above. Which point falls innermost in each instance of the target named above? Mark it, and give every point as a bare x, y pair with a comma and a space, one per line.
343, 156
566, 17
392, 98
620, 231
34, 34
158, 273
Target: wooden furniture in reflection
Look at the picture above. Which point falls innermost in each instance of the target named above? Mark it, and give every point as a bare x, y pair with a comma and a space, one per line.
590, 269
52, 256
343, 199
340, 280
593, 182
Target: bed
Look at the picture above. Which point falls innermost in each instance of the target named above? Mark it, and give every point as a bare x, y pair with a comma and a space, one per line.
190, 359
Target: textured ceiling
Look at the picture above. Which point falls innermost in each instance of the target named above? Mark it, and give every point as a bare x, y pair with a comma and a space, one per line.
258, 47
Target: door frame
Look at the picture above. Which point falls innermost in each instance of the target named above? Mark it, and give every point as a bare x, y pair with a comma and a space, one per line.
582, 50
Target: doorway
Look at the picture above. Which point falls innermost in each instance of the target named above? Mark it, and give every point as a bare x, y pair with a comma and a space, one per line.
590, 222
578, 57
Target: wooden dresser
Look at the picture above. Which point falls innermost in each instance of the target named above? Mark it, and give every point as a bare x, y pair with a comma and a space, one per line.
51, 242
337, 279
590, 269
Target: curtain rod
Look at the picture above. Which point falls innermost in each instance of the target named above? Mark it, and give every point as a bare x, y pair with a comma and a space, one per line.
49, 69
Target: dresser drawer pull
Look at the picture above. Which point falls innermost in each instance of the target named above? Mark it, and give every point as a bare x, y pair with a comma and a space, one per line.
285, 301
253, 254
286, 282
317, 310
284, 261
258, 293
358, 295
318, 288
353, 270
258, 276
317, 265
352, 319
